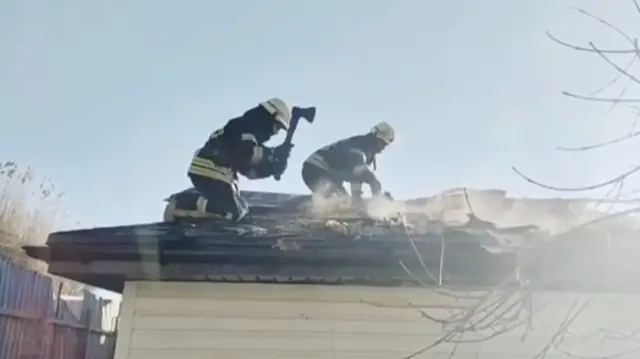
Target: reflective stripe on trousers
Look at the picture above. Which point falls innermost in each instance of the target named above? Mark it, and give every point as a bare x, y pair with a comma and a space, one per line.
218, 192
172, 212
224, 203
207, 168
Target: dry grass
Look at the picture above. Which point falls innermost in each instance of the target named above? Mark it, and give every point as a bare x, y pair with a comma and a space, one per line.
30, 209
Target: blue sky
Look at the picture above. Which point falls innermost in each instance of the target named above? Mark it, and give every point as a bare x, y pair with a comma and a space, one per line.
110, 99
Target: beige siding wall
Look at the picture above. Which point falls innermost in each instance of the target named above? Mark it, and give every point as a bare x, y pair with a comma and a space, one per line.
261, 321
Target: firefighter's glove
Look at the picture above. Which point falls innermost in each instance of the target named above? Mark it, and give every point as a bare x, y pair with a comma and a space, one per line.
283, 151
279, 166
280, 159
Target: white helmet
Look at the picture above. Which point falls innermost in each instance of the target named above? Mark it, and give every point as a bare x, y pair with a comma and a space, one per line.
279, 110
384, 131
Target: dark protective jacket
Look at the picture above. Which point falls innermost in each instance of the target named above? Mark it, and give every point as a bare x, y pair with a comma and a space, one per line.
234, 149
348, 161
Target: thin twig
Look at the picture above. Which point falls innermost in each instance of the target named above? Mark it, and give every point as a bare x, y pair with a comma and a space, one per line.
600, 145
577, 189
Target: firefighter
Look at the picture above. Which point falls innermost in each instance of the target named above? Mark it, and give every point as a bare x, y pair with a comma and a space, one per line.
348, 160
238, 147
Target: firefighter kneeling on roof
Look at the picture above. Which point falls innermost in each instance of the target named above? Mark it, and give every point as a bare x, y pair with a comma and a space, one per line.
347, 160
238, 147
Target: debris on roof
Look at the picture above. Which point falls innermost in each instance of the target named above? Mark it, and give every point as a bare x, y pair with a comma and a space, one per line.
284, 235
486, 218
552, 215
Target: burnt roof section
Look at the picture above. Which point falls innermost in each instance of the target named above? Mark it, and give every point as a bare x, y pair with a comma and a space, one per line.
277, 245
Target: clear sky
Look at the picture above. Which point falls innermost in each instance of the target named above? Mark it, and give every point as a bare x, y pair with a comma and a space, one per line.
110, 98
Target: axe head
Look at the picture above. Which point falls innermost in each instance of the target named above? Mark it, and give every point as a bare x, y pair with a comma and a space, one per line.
308, 113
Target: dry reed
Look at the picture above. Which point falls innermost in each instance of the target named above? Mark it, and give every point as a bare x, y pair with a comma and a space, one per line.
29, 211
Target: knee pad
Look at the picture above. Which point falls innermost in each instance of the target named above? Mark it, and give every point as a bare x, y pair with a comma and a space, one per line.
169, 210
189, 205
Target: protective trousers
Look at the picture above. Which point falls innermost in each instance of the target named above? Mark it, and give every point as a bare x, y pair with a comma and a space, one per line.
321, 182
212, 198
221, 198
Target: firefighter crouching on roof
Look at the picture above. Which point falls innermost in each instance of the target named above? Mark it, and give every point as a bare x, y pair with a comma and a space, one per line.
348, 160
238, 147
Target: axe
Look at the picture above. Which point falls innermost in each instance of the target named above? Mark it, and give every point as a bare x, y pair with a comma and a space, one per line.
308, 113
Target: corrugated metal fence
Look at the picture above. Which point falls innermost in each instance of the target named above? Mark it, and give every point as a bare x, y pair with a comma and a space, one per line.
37, 322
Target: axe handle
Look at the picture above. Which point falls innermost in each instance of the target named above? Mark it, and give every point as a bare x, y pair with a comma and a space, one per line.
289, 138
292, 129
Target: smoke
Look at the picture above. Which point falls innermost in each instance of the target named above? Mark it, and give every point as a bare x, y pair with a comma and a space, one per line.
553, 215
342, 207
381, 208
452, 209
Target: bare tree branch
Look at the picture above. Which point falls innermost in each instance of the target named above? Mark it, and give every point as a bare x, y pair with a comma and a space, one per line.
577, 189
487, 314
600, 145
586, 49
614, 65
601, 99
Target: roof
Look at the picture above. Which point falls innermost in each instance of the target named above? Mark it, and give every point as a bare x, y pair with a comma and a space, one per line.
278, 244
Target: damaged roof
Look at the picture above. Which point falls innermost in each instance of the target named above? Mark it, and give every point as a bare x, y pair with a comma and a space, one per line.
279, 244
